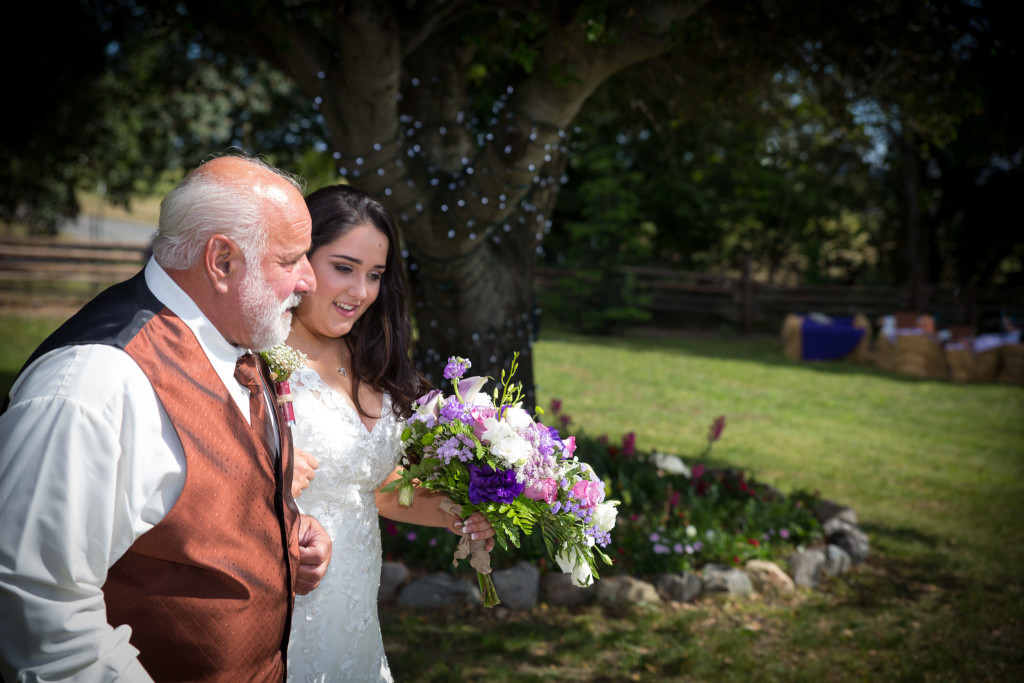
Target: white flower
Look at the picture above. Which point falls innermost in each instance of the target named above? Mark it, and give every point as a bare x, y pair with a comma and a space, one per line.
671, 463
518, 418
506, 445
691, 531
582, 576
604, 516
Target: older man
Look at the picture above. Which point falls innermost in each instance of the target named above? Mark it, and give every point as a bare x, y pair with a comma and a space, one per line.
147, 529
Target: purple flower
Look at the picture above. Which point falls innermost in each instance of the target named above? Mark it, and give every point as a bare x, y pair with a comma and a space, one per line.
456, 367
411, 536
486, 483
452, 410
784, 533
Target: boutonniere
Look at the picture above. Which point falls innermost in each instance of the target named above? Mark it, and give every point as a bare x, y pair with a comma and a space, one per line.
283, 360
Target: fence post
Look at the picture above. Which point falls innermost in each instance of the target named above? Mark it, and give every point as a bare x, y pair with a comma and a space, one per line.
746, 299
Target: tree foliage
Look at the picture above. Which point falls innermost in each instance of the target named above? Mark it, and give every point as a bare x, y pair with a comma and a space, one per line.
705, 130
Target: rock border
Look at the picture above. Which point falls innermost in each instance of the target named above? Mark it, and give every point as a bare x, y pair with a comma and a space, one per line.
522, 586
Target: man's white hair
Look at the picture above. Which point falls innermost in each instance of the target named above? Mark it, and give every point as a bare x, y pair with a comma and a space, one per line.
206, 204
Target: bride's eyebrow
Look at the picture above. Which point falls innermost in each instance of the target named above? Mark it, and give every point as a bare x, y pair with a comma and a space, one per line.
358, 262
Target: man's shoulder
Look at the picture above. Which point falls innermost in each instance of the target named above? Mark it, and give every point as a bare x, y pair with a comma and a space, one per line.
90, 374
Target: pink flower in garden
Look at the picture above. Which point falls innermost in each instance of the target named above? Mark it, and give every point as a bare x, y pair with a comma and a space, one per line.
715, 432
569, 445
629, 444
543, 489
589, 493
556, 405
697, 471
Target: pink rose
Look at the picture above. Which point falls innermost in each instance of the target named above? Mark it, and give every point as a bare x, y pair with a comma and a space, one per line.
543, 489
569, 445
589, 493
480, 413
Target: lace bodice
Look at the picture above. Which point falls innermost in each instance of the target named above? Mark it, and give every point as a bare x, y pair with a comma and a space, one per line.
335, 630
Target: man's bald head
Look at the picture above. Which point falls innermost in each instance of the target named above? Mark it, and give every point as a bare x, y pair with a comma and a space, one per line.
230, 196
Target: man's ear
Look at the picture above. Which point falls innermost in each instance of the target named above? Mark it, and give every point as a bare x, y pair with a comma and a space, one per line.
223, 262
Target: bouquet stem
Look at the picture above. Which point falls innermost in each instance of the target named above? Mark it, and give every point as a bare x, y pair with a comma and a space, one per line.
487, 590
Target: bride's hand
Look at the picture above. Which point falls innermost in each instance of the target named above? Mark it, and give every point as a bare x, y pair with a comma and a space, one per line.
303, 471
477, 528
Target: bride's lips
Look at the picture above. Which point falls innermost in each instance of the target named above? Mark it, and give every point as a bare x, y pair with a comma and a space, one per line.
345, 310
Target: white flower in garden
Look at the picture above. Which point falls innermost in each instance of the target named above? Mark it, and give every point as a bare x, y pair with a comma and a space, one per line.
582, 576
691, 531
604, 516
672, 464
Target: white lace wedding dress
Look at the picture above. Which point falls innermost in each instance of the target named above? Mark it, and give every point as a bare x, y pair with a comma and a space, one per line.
335, 630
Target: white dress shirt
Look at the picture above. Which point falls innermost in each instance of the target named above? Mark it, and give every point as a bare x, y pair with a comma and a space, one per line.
89, 461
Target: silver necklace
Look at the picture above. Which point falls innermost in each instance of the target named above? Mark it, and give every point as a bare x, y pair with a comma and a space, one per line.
309, 345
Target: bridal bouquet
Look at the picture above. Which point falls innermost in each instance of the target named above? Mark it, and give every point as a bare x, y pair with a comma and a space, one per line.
488, 454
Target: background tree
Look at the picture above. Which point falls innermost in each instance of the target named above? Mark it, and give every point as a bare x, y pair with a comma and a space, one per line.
459, 114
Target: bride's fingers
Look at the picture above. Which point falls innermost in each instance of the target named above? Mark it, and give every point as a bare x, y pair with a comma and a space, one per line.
478, 528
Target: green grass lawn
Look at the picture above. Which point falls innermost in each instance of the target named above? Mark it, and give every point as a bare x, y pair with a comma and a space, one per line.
933, 469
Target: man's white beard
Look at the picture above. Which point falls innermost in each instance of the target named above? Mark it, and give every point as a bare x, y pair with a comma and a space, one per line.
268, 321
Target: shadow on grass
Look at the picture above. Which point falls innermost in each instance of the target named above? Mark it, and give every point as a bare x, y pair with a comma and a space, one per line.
549, 644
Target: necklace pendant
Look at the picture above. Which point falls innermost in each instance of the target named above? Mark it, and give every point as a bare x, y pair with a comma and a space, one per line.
342, 372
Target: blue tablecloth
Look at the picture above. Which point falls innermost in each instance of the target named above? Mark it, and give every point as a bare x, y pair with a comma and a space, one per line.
829, 341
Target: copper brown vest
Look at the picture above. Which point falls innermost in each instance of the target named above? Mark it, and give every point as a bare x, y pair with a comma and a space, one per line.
208, 591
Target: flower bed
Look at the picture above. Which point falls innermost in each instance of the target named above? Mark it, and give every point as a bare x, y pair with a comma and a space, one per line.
677, 514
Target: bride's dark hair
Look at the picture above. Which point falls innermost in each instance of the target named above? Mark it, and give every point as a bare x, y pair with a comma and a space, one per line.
381, 340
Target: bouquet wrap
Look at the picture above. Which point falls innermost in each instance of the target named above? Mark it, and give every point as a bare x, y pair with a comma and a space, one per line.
476, 551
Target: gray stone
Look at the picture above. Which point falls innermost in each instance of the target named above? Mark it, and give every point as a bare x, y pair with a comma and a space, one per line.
768, 577
684, 587
722, 579
837, 560
557, 589
849, 537
827, 510
392, 575
806, 567
626, 589
440, 590
517, 587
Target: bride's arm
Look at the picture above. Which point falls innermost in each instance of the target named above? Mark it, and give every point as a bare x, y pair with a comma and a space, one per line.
425, 511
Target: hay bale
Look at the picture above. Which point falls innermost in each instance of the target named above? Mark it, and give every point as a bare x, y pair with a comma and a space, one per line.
1011, 371
863, 351
987, 363
792, 336
961, 363
885, 352
919, 355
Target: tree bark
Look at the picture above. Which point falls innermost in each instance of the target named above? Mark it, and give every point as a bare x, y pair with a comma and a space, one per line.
473, 196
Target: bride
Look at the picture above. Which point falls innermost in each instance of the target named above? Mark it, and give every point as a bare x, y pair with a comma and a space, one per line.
350, 401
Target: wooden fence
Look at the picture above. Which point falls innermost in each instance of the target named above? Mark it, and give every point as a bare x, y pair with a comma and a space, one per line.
692, 299
37, 270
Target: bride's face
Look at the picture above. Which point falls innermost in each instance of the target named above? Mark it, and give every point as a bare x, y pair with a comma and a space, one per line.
348, 274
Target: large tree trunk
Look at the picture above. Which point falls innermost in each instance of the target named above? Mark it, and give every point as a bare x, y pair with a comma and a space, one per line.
473, 195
